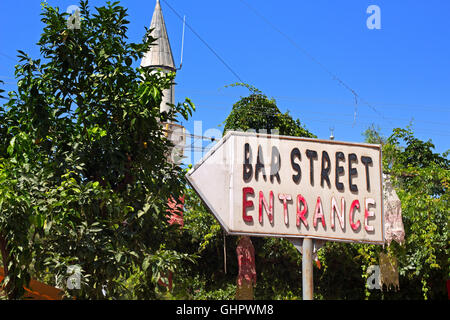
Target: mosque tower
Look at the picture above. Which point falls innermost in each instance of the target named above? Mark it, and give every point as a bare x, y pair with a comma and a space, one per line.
160, 54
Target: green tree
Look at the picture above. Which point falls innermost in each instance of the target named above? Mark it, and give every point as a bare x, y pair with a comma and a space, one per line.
84, 172
422, 179
258, 112
373, 135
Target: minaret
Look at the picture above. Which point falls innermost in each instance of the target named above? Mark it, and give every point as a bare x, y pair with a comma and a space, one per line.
160, 57
160, 54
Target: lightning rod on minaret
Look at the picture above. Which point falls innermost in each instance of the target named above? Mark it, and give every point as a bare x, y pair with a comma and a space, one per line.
182, 43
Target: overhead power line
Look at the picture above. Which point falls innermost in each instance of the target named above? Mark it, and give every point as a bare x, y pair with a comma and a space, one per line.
204, 42
329, 114
8, 57
390, 105
312, 58
192, 135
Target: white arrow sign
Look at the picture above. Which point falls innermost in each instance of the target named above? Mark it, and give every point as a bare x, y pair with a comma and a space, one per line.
280, 186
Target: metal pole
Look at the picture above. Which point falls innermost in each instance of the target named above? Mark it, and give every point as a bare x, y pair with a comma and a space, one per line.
307, 269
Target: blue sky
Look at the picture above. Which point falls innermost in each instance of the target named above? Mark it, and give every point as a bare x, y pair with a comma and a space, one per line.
401, 70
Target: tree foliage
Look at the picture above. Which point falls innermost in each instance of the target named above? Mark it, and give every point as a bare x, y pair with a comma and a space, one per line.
83, 160
259, 113
422, 180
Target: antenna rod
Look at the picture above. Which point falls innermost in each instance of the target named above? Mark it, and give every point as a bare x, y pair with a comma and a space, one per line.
182, 43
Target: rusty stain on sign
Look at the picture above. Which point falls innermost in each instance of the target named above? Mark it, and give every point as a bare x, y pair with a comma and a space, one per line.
175, 211
388, 272
247, 271
393, 227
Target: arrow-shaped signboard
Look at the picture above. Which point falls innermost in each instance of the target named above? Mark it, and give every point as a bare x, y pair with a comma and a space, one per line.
280, 186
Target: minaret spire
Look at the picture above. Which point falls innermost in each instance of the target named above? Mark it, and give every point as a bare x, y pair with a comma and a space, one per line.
159, 56
160, 53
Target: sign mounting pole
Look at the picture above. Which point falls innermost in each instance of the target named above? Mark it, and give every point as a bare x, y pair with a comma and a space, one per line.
307, 269
307, 263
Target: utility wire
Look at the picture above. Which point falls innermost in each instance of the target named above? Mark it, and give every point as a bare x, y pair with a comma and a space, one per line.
312, 58
437, 133
328, 114
204, 42
192, 135
8, 57
440, 108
